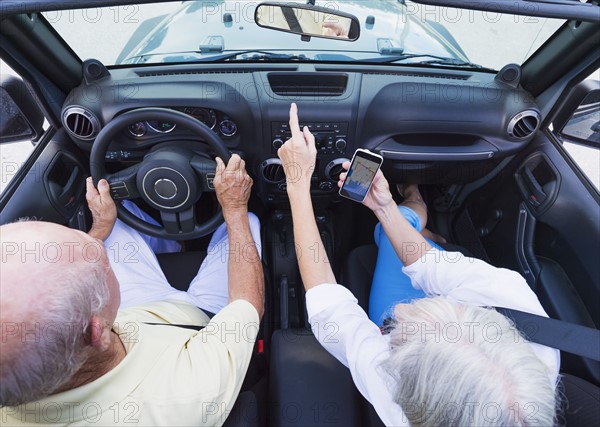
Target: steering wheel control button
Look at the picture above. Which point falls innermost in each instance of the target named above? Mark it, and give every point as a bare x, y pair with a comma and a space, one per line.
165, 188
210, 181
119, 191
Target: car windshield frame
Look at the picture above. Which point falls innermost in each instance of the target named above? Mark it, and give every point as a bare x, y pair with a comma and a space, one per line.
423, 36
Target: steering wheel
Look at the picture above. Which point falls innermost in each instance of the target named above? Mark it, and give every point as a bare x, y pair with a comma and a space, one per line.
170, 179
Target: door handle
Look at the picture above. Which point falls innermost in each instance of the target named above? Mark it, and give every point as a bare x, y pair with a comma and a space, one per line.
537, 194
67, 195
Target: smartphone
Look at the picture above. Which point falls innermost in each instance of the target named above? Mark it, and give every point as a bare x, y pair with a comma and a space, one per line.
361, 174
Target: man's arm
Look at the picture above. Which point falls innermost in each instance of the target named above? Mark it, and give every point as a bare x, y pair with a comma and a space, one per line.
246, 280
298, 156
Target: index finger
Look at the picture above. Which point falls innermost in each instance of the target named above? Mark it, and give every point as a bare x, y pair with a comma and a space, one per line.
220, 165
294, 121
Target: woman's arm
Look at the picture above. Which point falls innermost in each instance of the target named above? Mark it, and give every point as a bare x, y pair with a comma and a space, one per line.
408, 243
298, 156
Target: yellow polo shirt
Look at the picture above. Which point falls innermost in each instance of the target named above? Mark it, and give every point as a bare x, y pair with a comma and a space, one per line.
170, 375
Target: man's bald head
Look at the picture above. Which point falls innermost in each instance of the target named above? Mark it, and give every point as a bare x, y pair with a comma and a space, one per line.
53, 280
33, 253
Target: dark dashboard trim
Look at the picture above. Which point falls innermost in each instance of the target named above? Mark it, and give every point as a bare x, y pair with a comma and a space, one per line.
436, 156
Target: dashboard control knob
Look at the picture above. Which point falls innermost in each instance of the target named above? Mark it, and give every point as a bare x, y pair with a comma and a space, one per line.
341, 145
277, 143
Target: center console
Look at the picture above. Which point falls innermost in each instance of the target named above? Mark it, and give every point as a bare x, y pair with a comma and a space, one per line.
332, 140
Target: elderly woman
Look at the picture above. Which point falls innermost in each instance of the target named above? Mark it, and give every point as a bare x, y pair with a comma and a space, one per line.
448, 359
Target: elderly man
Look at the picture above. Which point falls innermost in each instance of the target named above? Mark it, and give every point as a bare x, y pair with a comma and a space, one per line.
70, 356
448, 359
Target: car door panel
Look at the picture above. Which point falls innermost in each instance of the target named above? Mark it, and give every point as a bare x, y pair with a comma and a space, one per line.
52, 189
554, 242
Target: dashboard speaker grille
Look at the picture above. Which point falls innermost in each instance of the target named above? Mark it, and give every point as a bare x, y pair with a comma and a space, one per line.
81, 122
272, 171
524, 124
428, 75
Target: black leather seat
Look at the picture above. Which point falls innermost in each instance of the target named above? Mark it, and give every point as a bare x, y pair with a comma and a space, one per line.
181, 267
309, 387
581, 401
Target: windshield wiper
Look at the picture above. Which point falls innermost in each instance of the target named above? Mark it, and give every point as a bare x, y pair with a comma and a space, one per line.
252, 55
455, 62
435, 60
257, 55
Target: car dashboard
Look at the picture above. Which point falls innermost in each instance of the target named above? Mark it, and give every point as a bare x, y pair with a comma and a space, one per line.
431, 125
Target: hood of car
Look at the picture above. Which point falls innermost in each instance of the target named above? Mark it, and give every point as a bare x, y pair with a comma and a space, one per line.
210, 28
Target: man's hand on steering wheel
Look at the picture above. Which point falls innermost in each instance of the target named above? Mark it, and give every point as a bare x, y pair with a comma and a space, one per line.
233, 186
103, 208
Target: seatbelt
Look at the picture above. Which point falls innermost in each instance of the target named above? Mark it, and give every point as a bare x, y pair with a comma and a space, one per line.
195, 327
291, 19
565, 336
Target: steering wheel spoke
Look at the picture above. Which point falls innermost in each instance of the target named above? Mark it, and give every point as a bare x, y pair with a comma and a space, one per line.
123, 184
205, 169
179, 222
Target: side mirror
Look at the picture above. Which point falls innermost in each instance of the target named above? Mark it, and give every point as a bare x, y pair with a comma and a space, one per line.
20, 117
308, 21
579, 119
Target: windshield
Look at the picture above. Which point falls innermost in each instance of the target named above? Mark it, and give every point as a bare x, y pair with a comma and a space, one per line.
392, 31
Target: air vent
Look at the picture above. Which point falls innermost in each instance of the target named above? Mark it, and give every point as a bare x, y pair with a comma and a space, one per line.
524, 124
81, 123
308, 84
272, 171
335, 168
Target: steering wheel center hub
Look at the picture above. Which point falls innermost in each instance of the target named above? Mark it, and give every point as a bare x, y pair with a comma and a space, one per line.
165, 188
167, 182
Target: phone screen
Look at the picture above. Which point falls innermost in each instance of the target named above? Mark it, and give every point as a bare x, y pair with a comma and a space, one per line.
360, 176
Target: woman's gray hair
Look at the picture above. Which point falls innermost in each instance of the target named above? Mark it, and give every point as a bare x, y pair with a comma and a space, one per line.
462, 365
54, 344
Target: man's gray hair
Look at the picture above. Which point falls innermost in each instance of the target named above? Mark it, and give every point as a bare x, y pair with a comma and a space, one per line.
462, 365
53, 345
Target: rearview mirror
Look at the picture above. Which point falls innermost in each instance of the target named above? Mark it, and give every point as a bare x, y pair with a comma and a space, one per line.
308, 21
